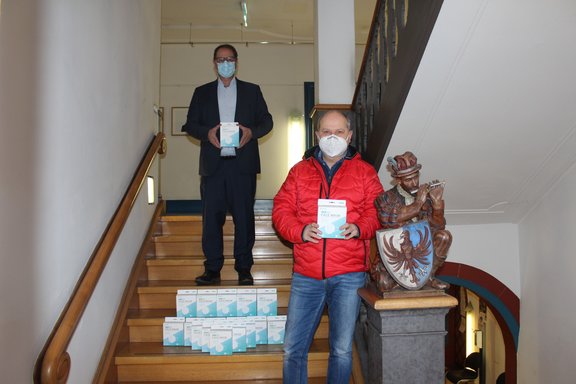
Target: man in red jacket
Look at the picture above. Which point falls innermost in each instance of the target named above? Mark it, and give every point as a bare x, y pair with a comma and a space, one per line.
329, 266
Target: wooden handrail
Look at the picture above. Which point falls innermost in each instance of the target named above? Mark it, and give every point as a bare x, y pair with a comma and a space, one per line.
54, 361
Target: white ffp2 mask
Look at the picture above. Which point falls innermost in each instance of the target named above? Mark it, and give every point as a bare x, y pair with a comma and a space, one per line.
333, 146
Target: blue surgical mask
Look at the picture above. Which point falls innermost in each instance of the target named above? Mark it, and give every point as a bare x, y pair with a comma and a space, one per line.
226, 69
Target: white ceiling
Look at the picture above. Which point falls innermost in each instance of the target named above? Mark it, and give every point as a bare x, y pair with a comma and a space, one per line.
492, 109
268, 20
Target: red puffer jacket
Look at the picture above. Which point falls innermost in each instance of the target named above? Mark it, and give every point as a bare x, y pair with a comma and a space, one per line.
296, 205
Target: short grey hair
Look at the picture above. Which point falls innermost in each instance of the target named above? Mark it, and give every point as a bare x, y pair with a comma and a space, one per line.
346, 115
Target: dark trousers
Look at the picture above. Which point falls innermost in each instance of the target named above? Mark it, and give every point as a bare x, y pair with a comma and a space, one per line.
228, 190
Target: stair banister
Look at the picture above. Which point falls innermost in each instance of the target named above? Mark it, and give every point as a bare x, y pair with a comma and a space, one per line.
54, 361
398, 36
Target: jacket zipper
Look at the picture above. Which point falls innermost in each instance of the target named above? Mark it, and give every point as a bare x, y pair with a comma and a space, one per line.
324, 240
365, 254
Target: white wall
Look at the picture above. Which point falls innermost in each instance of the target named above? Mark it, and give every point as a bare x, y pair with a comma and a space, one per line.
280, 70
492, 248
79, 81
17, 214
494, 349
493, 342
547, 313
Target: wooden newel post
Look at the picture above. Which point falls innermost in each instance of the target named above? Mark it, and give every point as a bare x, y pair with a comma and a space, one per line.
406, 336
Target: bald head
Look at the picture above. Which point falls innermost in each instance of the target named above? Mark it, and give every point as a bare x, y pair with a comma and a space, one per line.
332, 118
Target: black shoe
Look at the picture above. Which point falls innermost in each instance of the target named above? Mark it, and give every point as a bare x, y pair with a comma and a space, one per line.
245, 278
208, 278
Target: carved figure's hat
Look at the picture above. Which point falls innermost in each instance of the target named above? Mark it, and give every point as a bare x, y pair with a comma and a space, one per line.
404, 165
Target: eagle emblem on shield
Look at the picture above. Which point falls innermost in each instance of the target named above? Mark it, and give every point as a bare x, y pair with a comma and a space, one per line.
407, 253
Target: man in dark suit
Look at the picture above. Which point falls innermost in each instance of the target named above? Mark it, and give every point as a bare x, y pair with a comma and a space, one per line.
228, 174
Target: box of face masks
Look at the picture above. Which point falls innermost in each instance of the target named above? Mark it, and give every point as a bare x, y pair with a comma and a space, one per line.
195, 332
261, 329
186, 302
226, 302
238, 334
331, 216
276, 326
250, 332
221, 339
266, 301
188, 331
205, 338
229, 135
206, 303
173, 331
246, 302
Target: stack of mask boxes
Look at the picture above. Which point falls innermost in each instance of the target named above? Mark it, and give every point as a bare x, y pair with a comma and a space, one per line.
224, 321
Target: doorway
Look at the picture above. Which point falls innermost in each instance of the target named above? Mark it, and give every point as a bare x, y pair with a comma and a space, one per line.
502, 310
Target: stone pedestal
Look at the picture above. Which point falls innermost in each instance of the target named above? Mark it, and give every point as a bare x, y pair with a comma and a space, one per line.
405, 336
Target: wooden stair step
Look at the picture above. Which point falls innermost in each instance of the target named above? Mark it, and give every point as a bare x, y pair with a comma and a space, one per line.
192, 225
191, 245
311, 380
157, 294
192, 238
178, 258
154, 362
146, 325
200, 256
186, 268
191, 284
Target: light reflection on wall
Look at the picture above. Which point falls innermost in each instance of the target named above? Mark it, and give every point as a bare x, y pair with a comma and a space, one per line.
296, 139
470, 328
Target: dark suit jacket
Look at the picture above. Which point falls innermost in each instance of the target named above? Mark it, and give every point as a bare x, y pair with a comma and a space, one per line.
251, 112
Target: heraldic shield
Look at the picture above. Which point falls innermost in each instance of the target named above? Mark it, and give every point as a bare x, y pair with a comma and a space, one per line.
407, 253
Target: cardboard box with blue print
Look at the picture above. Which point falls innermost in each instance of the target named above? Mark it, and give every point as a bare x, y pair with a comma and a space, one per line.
229, 135
331, 216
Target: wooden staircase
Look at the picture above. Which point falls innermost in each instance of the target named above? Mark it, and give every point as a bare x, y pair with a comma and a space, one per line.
174, 261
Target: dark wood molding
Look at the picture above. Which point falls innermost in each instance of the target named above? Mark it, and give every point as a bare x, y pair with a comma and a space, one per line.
330, 107
398, 36
367, 50
422, 16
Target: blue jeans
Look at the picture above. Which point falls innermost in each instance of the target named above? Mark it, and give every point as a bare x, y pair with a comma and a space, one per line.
307, 299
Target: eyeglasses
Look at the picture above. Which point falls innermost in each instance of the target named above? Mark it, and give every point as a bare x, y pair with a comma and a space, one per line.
230, 59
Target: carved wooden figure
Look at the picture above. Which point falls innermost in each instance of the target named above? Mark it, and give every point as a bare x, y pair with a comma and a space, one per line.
413, 242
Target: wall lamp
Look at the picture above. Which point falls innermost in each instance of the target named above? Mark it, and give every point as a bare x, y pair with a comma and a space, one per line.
296, 138
150, 186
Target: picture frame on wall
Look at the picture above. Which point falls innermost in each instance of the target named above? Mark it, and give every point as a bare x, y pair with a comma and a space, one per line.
178, 115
